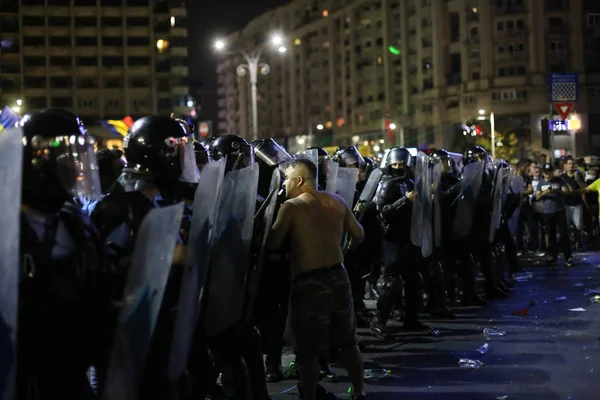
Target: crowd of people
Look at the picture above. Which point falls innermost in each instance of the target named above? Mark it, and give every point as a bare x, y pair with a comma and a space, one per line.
151, 271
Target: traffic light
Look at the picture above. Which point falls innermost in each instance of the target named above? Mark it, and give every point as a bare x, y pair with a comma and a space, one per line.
478, 131
545, 128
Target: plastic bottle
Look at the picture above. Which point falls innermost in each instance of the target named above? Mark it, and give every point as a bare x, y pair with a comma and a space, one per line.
467, 363
483, 349
487, 333
377, 373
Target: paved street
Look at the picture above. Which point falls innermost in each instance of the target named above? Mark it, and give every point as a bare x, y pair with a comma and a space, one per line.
551, 354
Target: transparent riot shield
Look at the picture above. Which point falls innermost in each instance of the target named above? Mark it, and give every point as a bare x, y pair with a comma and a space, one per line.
437, 202
148, 274
332, 176
421, 227
11, 154
470, 186
230, 259
313, 154
266, 221
196, 269
347, 178
367, 193
497, 202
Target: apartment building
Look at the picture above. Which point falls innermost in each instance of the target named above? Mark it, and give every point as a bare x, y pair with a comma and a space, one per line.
103, 59
430, 64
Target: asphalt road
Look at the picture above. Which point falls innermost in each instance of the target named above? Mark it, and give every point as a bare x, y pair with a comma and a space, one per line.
551, 354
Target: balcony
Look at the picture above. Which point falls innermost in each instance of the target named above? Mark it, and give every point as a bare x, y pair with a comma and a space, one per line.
558, 30
471, 40
510, 10
512, 33
556, 6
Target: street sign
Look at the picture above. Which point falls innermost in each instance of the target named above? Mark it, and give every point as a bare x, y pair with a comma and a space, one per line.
204, 128
563, 88
564, 109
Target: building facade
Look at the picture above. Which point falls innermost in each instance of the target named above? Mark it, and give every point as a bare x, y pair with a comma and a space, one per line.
103, 59
430, 65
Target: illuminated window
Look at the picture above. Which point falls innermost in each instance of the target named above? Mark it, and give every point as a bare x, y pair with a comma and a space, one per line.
379, 60
172, 22
328, 125
162, 45
297, 42
325, 13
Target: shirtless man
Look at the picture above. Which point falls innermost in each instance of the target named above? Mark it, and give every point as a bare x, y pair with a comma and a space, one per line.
321, 307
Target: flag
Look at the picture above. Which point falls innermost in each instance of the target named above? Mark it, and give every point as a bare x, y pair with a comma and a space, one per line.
8, 118
118, 127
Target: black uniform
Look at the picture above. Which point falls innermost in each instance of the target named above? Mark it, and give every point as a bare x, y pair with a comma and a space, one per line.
60, 257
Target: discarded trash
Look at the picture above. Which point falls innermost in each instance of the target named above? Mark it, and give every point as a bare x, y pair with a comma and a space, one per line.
483, 349
562, 298
589, 292
377, 373
522, 276
578, 285
434, 332
532, 303
487, 333
468, 363
286, 391
579, 309
521, 313
291, 372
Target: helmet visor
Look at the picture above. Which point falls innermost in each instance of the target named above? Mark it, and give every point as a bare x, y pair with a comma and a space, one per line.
75, 161
272, 153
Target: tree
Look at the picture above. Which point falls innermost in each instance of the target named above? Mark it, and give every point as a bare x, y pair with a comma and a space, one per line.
507, 145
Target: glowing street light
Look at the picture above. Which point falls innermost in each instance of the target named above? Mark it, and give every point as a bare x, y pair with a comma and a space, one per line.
493, 129
253, 67
277, 40
219, 45
320, 127
19, 102
392, 126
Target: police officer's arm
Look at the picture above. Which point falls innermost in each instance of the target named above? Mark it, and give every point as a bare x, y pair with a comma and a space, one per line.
281, 227
353, 227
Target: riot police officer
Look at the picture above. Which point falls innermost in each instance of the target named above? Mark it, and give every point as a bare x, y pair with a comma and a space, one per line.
60, 259
482, 249
270, 311
237, 349
155, 147
402, 260
202, 157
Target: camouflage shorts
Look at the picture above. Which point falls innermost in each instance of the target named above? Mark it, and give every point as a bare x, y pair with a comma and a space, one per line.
321, 312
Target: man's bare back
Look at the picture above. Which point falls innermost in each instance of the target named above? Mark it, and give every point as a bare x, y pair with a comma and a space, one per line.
317, 221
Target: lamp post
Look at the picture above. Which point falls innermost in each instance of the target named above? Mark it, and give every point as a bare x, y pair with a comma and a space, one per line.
253, 67
493, 129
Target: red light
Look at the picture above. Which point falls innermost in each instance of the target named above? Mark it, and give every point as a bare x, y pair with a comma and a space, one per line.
478, 131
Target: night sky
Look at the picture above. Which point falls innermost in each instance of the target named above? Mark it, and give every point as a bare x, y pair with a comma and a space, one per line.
208, 20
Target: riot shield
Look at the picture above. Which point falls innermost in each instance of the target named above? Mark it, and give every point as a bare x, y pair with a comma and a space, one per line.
437, 204
11, 154
421, 228
196, 269
346, 181
148, 274
367, 193
470, 186
497, 202
225, 288
516, 184
266, 223
312, 155
332, 176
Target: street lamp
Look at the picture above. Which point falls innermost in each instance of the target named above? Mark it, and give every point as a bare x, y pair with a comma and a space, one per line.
320, 127
253, 67
493, 129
